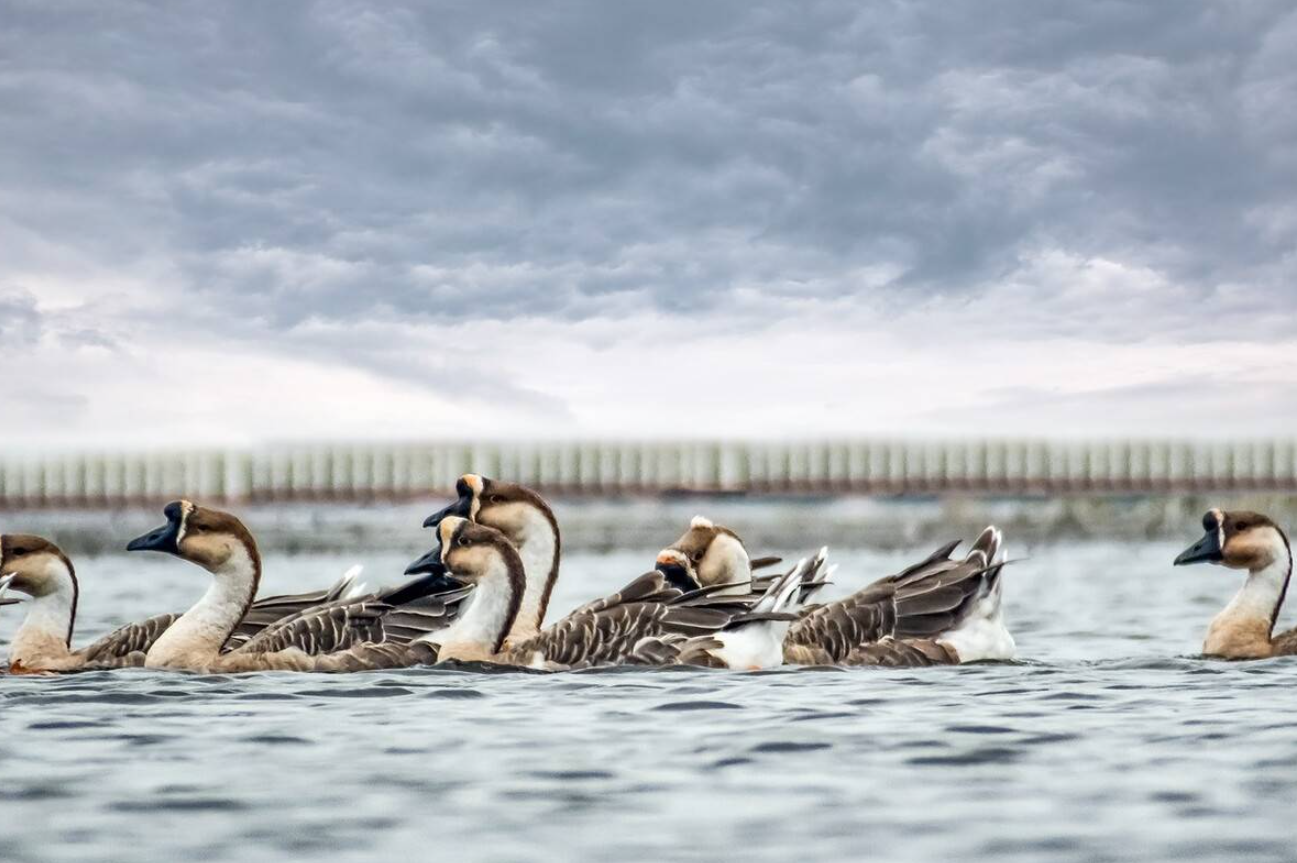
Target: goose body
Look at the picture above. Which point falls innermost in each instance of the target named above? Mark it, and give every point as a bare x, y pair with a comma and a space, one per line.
1253, 542
39, 569
940, 611
751, 640
36, 567
601, 632
644, 623
219, 543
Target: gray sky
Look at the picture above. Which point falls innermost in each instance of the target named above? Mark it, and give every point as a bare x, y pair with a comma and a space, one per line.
228, 222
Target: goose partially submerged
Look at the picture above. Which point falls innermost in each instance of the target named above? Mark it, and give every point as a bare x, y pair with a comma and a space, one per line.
630, 626
939, 611
1252, 542
219, 543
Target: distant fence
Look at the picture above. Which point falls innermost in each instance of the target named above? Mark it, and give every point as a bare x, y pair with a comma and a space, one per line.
396, 471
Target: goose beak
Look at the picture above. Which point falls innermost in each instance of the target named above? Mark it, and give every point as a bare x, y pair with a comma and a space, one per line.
462, 508
675, 573
429, 564
165, 539
1205, 550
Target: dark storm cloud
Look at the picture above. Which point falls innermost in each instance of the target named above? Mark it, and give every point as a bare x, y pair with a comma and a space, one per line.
339, 161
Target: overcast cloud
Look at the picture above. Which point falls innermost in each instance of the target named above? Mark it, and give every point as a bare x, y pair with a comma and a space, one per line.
227, 222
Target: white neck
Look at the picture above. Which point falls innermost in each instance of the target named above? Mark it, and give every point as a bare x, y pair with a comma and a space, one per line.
474, 635
44, 632
1250, 615
726, 562
200, 633
537, 545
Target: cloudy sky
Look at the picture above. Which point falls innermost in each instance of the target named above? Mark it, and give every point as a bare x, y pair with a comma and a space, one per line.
237, 222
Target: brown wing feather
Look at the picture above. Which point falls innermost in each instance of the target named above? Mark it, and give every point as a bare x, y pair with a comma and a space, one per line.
921, 602
344, 624
609, 630
121, 643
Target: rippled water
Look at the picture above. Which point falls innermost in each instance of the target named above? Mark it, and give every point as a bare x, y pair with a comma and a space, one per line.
1107, 742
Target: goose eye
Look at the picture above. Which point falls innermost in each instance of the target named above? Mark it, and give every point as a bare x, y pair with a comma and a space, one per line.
18, 552
462, 541
493, 498
697, 556
1240, 526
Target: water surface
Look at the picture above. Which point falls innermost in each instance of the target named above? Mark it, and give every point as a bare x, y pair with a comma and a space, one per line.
1107, 742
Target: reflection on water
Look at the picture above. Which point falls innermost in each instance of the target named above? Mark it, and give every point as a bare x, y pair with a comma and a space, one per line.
1107, 742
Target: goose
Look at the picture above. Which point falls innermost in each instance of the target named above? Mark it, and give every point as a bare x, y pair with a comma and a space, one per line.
711, 555
752, 640
529, 523
1251, 541
636, 625
939, 611
220, 543
35, 566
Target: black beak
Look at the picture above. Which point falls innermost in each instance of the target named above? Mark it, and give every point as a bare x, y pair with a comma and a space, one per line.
1205, 550
429, 564
162, 539
462, 508
678, 577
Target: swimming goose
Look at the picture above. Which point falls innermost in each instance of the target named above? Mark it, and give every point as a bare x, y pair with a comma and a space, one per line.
606, 631
716, 556
939, 611
752, 640
36, 567
527, 521
219, 543
1251, 541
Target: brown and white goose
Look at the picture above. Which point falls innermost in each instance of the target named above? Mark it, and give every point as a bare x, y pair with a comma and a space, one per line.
1250, 541
219, 543
607, 631
939, 611
528, 522
37, 568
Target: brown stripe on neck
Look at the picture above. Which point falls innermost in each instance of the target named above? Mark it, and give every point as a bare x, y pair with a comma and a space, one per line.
552, 578
517, 584
1274, 617
76, 593
244, 535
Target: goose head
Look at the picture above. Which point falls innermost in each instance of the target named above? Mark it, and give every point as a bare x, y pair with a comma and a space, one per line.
716, 554
210, 538
481, 557
34, 566
468, 552
679, 571
514, 510
1237, 540
527, 521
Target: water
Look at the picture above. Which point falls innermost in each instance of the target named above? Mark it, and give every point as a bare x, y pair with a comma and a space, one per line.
1107, 742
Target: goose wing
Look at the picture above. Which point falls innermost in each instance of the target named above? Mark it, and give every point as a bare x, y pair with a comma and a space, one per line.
272, 610
609, 630
396, 616
119, 646
902, 653
921, 602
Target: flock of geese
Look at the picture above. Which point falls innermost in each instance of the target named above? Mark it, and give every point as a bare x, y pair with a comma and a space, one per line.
481, 595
